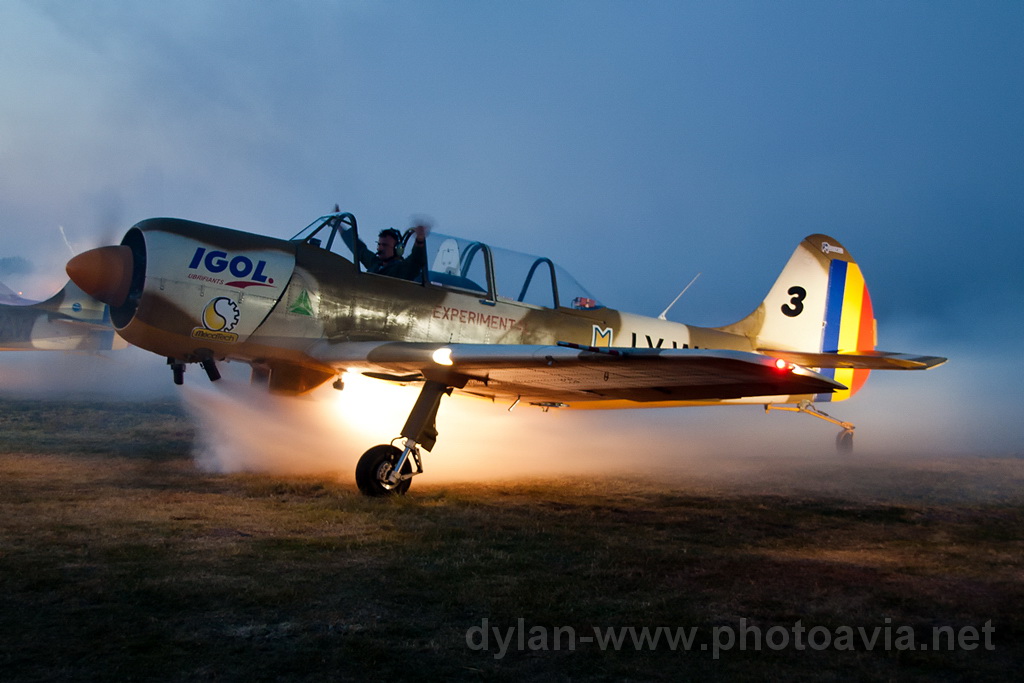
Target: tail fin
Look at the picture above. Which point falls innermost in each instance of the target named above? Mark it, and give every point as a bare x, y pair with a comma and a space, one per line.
819, 305
77, 305
70, 320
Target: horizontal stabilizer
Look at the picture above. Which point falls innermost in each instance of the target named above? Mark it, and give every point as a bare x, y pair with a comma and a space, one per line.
861, 360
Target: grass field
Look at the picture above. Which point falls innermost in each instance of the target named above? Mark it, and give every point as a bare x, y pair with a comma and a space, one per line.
120, 560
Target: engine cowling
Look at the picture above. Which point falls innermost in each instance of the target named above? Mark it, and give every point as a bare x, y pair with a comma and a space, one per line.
186, 290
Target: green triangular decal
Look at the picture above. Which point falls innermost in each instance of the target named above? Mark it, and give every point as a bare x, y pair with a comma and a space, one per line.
302, 304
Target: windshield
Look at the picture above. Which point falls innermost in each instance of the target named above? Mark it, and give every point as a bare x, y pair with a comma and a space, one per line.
509, 275
458, 263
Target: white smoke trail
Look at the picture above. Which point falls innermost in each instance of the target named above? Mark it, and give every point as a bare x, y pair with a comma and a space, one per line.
243, 429
900, 417
65, 238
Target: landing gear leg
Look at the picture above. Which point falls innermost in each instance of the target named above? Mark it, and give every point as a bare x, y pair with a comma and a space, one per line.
844, 439
386, 470
178, 370
211, 369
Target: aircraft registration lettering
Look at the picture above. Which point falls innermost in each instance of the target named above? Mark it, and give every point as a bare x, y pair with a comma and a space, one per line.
651, 344
467, 317
601, 337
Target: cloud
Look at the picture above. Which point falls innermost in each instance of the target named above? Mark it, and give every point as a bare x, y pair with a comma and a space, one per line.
15, 265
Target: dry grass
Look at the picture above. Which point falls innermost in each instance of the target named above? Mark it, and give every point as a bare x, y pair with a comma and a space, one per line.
118, 560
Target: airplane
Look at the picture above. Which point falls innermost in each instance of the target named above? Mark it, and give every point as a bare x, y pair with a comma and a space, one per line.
70, 320
476, 319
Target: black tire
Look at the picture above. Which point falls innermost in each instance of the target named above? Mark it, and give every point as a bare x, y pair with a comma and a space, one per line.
844, 442
373, 469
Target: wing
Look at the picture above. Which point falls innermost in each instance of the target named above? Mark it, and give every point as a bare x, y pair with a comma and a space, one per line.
861, 360
563, 374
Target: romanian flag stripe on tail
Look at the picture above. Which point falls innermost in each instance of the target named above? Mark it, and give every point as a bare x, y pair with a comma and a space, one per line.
849, 325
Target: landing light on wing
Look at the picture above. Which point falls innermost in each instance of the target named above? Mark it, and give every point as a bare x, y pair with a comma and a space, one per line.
783, 365
443, 356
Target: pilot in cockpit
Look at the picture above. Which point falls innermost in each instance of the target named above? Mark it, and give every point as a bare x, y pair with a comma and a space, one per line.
388, 258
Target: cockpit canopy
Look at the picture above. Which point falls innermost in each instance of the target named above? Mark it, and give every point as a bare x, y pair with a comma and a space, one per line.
466, 265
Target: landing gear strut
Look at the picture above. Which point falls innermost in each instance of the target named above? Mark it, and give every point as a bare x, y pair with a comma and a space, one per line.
208, 364
844, 439
386, 470
178, 370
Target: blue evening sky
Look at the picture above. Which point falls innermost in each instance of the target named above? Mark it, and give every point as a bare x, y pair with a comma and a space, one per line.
637, 143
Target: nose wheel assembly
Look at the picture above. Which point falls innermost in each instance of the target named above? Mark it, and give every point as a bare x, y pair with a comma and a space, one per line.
379, 473
387, 470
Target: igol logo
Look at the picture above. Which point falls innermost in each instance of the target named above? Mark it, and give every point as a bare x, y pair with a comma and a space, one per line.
219, 317
239, 267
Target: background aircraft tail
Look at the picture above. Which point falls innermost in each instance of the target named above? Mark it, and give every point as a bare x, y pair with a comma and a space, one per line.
70, 320
9, 297
72, 302
818, 314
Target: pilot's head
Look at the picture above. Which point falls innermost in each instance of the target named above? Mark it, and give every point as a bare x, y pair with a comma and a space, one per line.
387, 244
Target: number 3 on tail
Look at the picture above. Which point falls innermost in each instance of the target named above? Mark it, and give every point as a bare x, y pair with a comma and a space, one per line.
796, 305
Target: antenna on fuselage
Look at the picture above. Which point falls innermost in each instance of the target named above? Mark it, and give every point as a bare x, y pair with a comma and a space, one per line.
678, 296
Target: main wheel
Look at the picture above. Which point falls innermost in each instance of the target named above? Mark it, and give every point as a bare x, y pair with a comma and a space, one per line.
844, 442
373, 469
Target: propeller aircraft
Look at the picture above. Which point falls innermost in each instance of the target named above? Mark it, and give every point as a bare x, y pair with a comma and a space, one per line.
70, 320
468, 317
